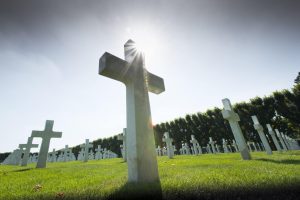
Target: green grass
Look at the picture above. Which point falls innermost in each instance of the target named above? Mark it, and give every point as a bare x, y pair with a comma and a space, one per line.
221, 176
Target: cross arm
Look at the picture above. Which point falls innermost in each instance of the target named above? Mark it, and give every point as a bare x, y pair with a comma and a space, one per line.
37, 133
156, 84
113, 67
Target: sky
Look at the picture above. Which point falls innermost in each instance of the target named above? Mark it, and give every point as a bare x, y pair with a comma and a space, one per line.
205, 50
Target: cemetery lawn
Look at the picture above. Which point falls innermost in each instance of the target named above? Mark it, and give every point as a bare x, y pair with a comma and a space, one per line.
221, 176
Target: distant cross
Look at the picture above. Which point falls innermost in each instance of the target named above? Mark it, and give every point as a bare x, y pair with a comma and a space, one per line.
53, 155
225, 147
86, 148
98, 152
259, 128
187, 149
235, 146
168, 141
28, 146
272, 133
122, 137
158, 151
208, 148
142, 161
281, 140
233, 120
212, 143
66, 153
217, 148
253, 144
199, 148
194, 142
249, 146
46, 136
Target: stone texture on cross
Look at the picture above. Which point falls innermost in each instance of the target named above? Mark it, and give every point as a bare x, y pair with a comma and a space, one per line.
168, 141
86, 148
46, 136
259, 128
141, 157
122, 137
28, 146
233, 120
281, 140
194, 141
272, 133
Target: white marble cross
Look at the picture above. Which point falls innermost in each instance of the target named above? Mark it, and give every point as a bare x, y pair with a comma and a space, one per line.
28, 146
141, 157
158, 150
53, 156
98, 153
67, 151
235, 146
168, 141
194, 141
46, 136
259, 128
212, 143
272, 133
208, 148
86, 148
225, 147
233, 120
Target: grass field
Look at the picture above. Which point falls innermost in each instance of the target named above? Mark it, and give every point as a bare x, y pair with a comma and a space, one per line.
221, 176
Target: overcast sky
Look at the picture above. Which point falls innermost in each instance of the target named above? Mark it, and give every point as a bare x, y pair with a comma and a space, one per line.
205, 50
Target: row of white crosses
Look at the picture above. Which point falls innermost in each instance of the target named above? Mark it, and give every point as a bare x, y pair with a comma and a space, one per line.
233, 119
46, 135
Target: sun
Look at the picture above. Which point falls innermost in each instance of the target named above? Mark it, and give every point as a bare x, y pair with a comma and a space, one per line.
146, 40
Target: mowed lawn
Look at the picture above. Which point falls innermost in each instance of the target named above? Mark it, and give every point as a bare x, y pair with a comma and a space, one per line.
221, 176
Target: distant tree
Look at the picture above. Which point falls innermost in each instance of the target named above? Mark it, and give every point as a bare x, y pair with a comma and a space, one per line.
297, 80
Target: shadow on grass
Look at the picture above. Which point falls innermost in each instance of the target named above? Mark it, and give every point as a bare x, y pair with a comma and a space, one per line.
142, 191
21, 170
279, 161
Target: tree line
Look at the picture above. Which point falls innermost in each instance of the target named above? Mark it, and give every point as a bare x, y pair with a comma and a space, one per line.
281, 109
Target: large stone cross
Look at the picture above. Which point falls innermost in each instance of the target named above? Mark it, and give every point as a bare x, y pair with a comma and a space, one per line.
122, 137
272, 133
46, 136
28, 146
261, 134
86, 148
141, 157
194, 141
168, 141
233, 120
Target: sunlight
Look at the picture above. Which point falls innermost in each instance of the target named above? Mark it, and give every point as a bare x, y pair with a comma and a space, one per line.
147, 41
